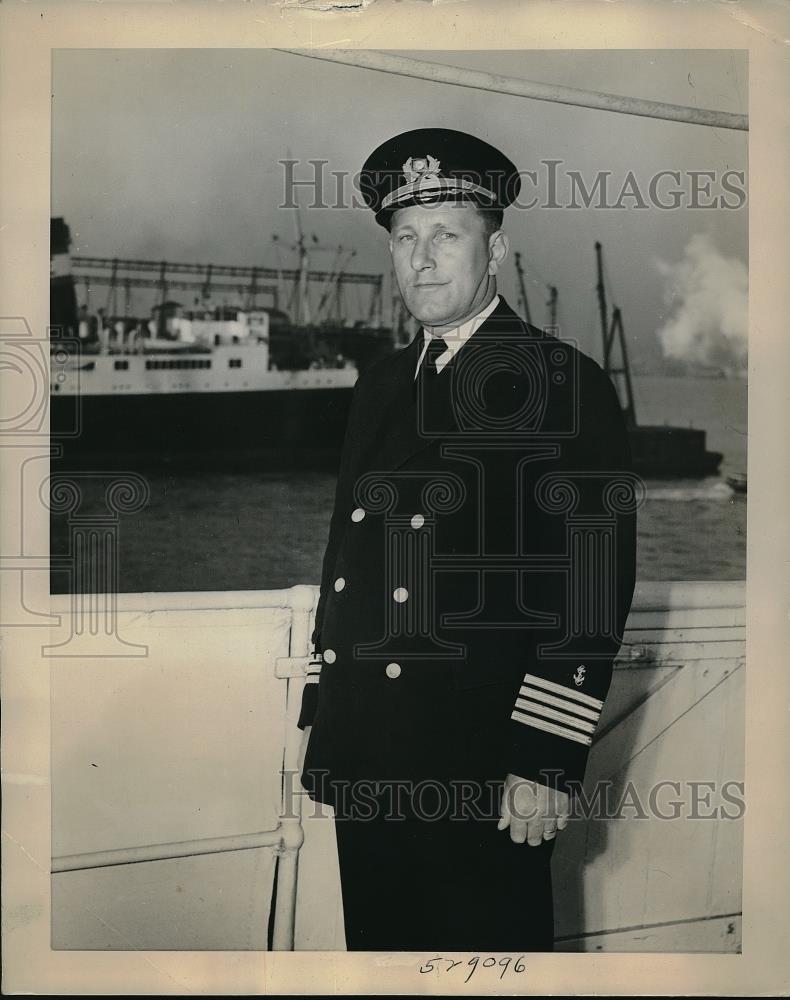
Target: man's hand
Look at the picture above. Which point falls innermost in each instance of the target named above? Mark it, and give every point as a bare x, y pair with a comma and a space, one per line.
534, 812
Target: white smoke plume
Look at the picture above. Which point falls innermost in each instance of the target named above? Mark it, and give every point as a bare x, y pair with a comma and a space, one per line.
708, 297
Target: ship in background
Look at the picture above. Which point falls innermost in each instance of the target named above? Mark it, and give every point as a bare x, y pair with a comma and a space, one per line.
206, 384
222, 383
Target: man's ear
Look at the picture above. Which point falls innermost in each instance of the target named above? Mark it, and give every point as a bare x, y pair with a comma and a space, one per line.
498, 248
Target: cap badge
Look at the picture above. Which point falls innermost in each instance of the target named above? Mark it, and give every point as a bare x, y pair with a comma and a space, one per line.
578, 677
418, 167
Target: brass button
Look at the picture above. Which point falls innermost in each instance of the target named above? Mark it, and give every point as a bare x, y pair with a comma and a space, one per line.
400, 594
357, 514
329, 656
417, 521
393, 670
339, 584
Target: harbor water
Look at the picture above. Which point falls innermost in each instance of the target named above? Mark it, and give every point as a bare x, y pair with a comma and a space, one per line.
263, 530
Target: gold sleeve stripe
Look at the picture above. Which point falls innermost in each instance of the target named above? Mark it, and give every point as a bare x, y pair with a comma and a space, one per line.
551, 713
563, 703
567, 692
535, 723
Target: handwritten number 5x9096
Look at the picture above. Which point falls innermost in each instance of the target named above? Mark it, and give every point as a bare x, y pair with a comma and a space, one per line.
486, 963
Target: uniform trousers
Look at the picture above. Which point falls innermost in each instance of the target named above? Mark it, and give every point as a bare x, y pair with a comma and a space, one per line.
445, 884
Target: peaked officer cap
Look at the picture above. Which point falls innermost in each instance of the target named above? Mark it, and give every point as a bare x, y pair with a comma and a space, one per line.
428, 165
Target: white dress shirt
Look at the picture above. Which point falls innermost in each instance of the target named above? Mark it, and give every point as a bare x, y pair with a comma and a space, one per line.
455, 339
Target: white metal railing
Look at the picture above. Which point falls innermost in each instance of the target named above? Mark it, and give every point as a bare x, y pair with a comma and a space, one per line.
665, 618
287, 837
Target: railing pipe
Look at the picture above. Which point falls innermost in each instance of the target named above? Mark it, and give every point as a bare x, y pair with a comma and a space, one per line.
166, 852
385, 62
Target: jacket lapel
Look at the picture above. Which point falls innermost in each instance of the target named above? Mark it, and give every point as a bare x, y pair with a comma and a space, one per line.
435, 417
391, 389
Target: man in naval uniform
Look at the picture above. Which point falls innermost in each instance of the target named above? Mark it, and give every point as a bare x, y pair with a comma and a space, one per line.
478, 574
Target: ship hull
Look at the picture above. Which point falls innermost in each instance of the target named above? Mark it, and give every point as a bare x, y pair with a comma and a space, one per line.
671, 452
277, 427
273, 428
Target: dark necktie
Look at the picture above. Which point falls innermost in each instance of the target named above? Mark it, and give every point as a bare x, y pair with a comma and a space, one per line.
436, 347
427, 372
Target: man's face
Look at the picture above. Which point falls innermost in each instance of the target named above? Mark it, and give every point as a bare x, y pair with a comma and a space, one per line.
443, 261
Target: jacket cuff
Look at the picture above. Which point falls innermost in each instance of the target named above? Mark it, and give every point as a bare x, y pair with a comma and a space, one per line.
310, 692
551, 731
309, 706
547, 761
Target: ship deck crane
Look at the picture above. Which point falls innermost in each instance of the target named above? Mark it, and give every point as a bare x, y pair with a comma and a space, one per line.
608, 332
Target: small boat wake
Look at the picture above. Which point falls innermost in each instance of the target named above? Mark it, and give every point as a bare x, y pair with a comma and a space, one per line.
712, 490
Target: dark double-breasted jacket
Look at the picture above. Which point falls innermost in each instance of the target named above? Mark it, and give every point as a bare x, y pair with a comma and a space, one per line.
479, 569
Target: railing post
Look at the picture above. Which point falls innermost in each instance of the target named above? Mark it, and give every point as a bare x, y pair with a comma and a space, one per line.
301, 601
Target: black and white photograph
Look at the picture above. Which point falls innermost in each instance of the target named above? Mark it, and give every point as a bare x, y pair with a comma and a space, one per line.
395, 492
255, 367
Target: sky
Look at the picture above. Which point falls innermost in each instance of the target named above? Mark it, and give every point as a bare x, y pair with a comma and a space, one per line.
174, 154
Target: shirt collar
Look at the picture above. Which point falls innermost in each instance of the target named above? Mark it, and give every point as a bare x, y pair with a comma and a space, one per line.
456, 338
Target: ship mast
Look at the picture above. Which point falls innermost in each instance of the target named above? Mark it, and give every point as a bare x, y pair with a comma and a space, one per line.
302, 299
552, 304
338, 285
331, 285
602, 307
608, 335
523, 288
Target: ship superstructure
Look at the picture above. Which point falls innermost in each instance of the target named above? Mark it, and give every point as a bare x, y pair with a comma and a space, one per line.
193, 384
